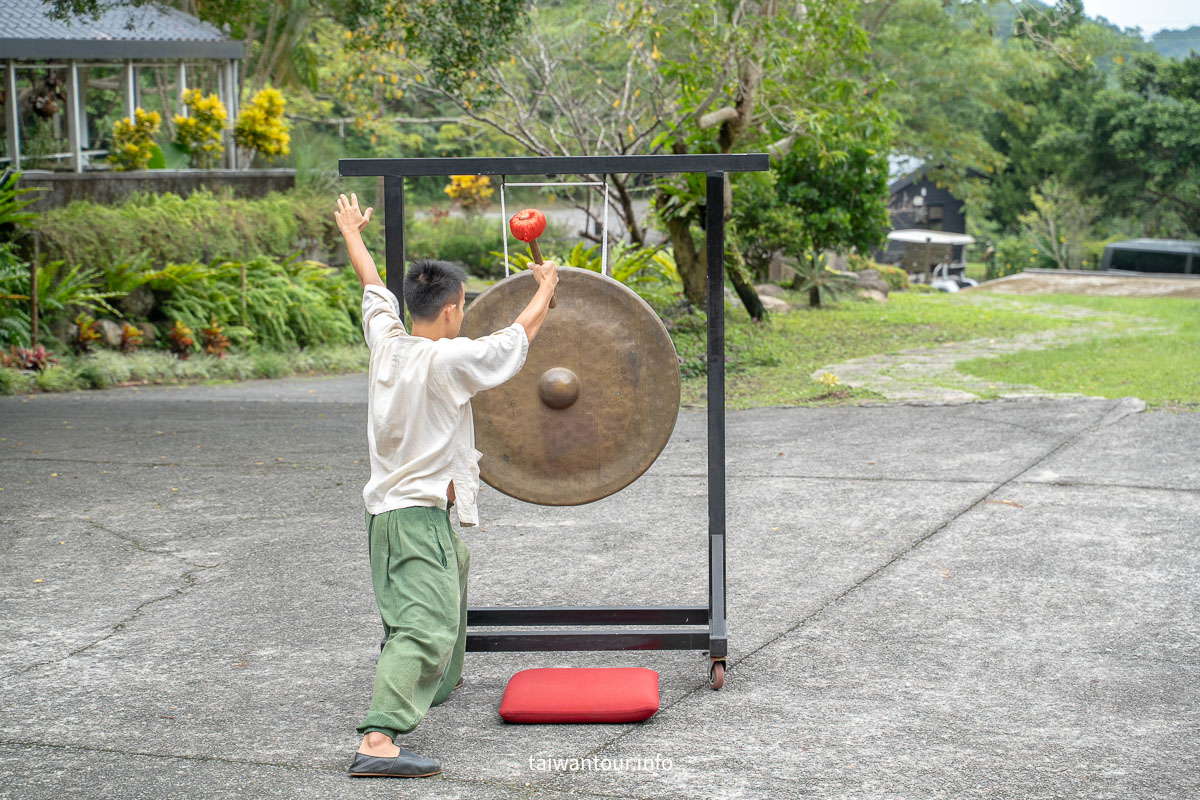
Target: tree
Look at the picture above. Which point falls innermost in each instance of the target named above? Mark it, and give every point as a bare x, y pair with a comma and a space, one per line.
1144, 143
1059, 224
756, 76
814, 202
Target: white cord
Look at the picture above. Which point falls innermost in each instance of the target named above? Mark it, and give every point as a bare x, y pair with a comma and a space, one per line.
504, 217
504, 226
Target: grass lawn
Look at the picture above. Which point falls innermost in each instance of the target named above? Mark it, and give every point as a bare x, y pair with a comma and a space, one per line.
771, 364
1163, 370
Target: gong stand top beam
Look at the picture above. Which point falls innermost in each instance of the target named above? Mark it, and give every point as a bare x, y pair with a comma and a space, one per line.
714, 640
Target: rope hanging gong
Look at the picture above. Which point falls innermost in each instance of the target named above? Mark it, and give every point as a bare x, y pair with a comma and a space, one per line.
598, 396
603, 237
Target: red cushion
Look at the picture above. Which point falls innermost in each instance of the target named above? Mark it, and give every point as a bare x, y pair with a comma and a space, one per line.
559, 694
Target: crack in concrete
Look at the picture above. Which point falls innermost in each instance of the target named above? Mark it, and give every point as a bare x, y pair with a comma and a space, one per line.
1114, 413
189, 580
532, 791
141, 546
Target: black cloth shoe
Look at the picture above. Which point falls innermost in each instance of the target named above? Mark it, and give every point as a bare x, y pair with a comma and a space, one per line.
404, 765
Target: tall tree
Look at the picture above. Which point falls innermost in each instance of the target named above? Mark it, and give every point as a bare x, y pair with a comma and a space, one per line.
756, 76
1144, 146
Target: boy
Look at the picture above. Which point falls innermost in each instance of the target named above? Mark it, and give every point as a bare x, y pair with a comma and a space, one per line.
420, 436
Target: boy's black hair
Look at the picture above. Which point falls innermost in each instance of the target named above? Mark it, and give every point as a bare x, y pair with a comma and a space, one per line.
430, 285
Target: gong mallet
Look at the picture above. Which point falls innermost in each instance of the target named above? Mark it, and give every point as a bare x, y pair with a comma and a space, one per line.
527, 226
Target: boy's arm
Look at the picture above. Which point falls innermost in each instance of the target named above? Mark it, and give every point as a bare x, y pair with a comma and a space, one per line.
534, 315
351, 222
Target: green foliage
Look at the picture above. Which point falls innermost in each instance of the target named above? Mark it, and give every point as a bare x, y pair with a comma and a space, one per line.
1144, 144
12, 204
61, 293
165, 228
1059, 224
820, 282
133, 140
60, 379
629, 265
289, 303
261, 127
14, 382
831, 196
454, 40
201, 132
894, 277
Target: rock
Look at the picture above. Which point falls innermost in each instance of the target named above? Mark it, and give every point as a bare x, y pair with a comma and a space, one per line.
873, 294
110, 333
775, 305
781, 268
869, 279
149, 332
769, 290
137, 303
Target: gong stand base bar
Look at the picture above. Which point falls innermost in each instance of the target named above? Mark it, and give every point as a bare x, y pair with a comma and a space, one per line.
714, 638
520, 641
694, 638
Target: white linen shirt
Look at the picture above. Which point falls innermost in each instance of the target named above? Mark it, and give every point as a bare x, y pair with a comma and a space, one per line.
420, 432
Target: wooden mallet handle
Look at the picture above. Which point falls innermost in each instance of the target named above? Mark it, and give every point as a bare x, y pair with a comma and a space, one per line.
537, 259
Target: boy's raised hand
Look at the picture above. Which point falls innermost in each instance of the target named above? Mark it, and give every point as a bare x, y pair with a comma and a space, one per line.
348, 216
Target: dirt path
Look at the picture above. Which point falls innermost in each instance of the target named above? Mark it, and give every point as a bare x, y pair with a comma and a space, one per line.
930, 374
1093, 283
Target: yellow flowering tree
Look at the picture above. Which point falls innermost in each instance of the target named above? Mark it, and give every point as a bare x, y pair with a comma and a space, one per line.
261, 127
133, 140
471, 192
200, 132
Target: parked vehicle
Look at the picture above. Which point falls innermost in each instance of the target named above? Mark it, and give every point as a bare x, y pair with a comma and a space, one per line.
1171, 256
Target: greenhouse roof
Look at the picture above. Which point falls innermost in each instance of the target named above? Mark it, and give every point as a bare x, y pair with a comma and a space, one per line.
147, 32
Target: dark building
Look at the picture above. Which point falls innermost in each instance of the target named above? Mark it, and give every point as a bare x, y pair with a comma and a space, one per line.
915, 201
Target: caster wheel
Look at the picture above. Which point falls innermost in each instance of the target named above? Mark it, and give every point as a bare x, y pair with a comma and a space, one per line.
716, 674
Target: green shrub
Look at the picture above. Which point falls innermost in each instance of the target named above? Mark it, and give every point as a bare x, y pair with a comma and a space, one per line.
895, 277
202, 227
14, 381
1016, 254
62, 378
103, 368
270, 364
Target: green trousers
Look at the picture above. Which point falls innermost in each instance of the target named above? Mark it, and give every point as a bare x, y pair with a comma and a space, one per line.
419, 568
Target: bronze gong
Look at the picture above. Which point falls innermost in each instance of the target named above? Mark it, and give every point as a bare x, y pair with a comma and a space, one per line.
594, 404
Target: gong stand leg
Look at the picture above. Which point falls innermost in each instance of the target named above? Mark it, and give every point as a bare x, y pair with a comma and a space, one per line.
714, 239
393, 230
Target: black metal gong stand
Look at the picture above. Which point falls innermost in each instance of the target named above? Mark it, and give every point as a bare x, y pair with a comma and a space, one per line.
690, 627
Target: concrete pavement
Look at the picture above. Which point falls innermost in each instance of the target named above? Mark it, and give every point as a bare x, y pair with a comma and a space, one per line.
990, 600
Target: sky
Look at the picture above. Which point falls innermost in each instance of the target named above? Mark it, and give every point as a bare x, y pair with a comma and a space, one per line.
1149, 15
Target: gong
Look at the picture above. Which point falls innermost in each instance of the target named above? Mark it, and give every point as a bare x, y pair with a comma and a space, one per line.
595, 402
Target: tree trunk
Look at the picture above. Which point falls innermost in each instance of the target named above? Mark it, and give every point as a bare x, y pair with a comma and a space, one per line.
735, 268
814, 296
692, 266
636, 234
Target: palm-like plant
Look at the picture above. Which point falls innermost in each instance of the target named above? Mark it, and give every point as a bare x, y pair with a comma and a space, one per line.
819, 280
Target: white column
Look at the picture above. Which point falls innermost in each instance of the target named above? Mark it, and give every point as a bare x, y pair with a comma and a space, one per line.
73, 116
130, 89
14, 121
183, 109
231, 105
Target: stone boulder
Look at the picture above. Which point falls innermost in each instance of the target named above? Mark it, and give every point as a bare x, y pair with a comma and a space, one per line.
769, 290
873, 294
775, 305
110, 333
869, 279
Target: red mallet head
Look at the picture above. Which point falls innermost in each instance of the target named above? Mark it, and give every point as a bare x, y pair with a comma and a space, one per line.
527, 225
